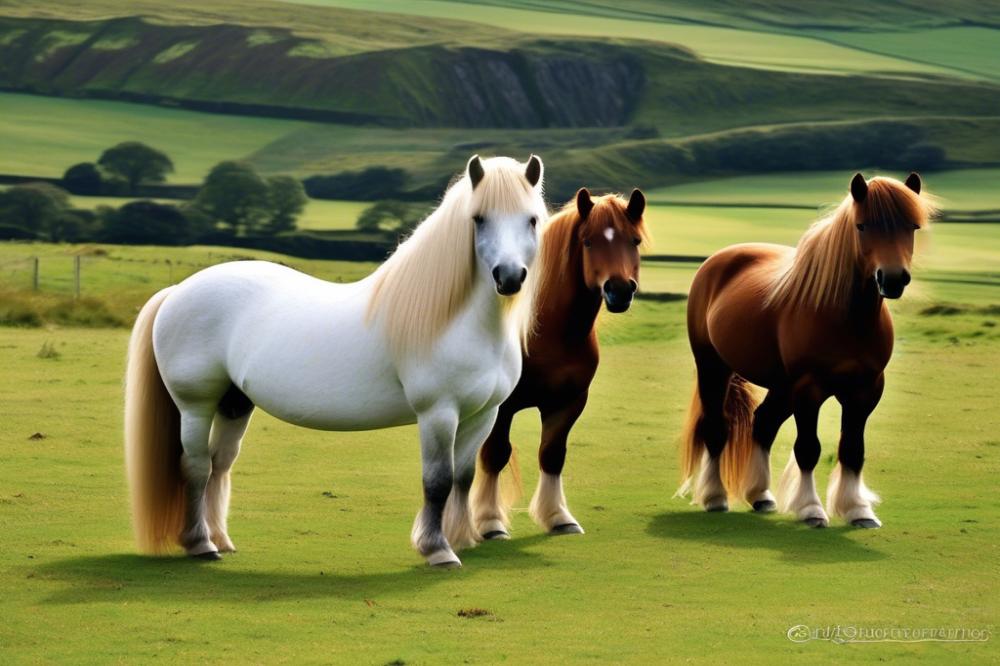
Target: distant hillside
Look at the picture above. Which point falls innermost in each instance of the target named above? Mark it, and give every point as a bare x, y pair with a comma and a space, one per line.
525, 83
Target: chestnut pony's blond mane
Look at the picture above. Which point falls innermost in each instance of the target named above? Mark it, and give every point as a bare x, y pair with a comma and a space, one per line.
557, 238
430, 276
821, 272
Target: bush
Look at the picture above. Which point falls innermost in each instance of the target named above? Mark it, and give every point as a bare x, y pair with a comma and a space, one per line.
373, 183
148, 222
83, 178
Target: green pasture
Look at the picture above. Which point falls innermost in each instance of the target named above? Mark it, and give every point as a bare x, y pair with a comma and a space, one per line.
325, 574
42, 136
745, 48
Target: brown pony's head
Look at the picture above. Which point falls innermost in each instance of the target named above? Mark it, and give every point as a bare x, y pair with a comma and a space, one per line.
886, 215
609, 232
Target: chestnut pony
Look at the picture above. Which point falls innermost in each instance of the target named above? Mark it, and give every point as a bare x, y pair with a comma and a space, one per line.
589, 254
806, 324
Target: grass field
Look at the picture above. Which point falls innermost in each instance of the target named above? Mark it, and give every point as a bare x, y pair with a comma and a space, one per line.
325, 574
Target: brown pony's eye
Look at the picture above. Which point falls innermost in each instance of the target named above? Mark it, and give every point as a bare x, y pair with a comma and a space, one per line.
478, 219
637, 242
916, 227
861, 227
586, 242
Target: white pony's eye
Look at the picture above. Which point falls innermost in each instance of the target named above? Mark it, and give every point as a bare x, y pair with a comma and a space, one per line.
533, 221
478, 219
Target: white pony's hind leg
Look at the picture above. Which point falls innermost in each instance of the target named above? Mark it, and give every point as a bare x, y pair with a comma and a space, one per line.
227, 436
196, 464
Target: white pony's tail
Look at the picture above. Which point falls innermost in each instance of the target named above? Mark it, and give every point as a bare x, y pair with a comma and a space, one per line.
152, 441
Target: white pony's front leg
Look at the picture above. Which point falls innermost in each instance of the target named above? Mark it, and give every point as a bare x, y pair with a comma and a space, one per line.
438, 427
459, 527
847, 496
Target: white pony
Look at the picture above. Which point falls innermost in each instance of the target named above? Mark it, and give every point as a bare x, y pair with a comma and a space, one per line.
433, 336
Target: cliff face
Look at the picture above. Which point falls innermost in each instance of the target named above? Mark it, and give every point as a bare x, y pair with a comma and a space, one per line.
533, 83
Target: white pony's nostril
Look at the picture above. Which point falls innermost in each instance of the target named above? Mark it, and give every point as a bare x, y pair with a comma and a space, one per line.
524, 274
496, 274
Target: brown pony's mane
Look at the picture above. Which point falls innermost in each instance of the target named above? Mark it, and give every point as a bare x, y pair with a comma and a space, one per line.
822, 270
559, 243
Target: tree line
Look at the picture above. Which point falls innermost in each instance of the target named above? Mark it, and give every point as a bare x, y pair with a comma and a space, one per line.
233, 199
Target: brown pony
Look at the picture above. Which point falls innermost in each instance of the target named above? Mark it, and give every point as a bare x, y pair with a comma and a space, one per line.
590, 253
806, 324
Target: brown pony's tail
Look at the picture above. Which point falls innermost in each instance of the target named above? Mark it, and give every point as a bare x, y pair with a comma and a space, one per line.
736, 457
152, 441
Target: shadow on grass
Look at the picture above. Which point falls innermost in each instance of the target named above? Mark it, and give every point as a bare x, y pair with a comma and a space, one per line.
794, 542
120, 576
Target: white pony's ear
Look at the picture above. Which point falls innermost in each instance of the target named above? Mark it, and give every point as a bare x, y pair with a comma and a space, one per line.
475, 170
533, 172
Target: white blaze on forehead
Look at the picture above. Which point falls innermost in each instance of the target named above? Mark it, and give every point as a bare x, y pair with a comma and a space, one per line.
609, 233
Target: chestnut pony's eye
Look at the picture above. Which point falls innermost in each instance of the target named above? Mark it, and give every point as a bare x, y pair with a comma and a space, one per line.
478, 219
637, 242
916, 227
861, 227
586, 242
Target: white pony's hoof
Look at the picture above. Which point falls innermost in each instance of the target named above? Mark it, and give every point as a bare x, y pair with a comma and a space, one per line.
224, 544
444, 559
493, 529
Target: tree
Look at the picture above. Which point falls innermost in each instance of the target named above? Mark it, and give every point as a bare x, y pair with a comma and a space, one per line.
234, 194
287, 199
136, 163
396, 216
373, 183
148, 222
83, 178
35, 207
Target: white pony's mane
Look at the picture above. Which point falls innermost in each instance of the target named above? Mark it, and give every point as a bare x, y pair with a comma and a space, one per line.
429, 277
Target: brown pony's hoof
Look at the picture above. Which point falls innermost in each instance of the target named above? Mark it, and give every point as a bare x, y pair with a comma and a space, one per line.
209, 556
568, 528
815, 522
496, 535
866, 523
765, 506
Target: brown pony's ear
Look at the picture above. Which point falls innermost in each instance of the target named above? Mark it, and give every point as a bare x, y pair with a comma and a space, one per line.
636, 205
584, 204
475, 169
859, 188
913, 182
533, 172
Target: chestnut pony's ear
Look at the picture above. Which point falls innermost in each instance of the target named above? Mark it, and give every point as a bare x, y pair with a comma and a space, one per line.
913, 182
533, 172
636, 205
859, 188
475, 169
584, 204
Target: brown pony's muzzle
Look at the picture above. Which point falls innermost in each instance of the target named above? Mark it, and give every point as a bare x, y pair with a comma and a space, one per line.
892, 283
618, 294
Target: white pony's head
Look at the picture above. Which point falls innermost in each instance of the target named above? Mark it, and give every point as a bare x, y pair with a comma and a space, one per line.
487, 229
507, 212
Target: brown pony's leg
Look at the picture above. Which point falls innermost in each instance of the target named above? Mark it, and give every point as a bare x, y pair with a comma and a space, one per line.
491, 516
767, 420
847, 494
713, 428
798, 487
548, 505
